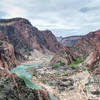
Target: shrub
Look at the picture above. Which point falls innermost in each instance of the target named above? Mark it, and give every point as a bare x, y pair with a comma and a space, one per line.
59, 63
77, 61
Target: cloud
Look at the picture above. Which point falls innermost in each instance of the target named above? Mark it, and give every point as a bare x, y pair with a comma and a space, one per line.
87, 9
3, 14
63, 17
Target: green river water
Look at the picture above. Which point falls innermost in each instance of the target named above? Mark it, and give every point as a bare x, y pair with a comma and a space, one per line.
23, 73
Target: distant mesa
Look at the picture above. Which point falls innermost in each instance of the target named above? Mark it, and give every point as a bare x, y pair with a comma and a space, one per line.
69, 41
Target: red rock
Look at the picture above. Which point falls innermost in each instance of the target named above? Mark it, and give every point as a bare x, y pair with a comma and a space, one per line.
87, 44
7, 57
93, 61
23, 35
50, 41
64, 56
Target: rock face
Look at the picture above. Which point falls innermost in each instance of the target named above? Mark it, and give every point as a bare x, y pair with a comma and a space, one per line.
69, 41
16, 90
63, 57
93, 61
69, 83
25, 37
7, 56
50, 41
87, 44
92, 88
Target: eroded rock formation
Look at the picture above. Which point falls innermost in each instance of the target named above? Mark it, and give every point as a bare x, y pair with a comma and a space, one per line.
93, 61
25, 37
7, 57
87, 44
16, 90
63, 57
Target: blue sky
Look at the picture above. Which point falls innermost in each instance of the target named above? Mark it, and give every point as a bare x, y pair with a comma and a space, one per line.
63, 17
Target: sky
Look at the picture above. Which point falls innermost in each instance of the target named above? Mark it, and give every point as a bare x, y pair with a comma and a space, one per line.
62, 17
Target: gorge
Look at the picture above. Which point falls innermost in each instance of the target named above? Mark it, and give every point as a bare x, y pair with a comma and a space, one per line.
34, 65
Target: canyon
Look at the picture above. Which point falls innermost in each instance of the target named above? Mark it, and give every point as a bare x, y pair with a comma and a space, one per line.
64, 69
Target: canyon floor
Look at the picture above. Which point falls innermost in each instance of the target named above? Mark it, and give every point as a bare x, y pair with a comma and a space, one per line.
65, 82
68, 69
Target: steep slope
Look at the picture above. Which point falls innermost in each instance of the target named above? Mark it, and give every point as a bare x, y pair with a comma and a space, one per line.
93, 61
63, 58
87, 44
7, 56
26, 38
14, 88
69, 41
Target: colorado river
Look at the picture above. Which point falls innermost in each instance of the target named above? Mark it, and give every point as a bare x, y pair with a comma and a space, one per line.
23, 72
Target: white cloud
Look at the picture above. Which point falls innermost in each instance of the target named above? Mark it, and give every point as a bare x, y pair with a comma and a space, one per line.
67, 16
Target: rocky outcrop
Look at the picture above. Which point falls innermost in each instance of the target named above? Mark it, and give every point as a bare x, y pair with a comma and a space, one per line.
69, 41
26, 38
92, 88
7, 57
16, 90
93, 61
87, 44
69, 83
63, 57
50, 41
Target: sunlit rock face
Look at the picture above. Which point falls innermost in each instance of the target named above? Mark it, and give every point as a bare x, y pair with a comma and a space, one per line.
64, 57
93, 61
7, 56
87, 44
25, 37
89, 47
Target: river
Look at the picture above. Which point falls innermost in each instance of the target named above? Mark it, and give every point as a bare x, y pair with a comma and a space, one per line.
23, 72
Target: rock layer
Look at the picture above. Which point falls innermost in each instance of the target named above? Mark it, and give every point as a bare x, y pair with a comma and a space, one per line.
87, 44
93, 61
25, 37
63, 57
69, 41
16, 90
7, 57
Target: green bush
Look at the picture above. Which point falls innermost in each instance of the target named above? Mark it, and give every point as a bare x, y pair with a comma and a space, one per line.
59, 63
77, 61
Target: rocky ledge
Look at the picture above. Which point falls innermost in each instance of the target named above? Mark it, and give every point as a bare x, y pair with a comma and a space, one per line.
93, 61
13, 88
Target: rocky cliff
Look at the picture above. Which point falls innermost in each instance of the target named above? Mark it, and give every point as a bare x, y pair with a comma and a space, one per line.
69, 41
63, 58
26, 37
93, 61
14, 88
87, 44
7, 56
